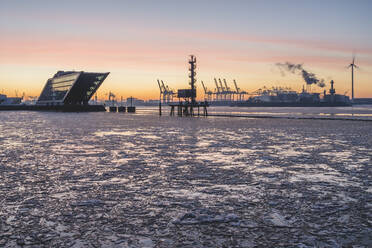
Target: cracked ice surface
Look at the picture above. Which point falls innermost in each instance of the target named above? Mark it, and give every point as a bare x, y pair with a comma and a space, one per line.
119, 180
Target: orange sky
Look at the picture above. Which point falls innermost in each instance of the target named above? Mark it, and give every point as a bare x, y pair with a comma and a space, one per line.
137, 52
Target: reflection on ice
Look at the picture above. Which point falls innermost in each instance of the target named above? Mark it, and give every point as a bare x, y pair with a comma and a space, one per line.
187, 194
331, 178
107, 133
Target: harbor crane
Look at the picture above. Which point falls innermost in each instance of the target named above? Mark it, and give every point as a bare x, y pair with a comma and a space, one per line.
239, 93
229, 93
170, 93
218, 91
223, 91
207, 94
161, 91
111, 96
111, 99
166, 94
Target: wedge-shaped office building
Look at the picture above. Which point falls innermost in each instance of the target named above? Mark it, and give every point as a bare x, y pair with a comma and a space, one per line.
71, 88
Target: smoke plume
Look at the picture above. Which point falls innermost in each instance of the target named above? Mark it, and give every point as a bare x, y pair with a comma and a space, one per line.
310, 78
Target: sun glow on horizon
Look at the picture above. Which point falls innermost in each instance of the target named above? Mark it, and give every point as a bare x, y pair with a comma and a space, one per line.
138, 51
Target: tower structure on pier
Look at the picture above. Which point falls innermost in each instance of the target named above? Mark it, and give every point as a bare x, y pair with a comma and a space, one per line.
192, 62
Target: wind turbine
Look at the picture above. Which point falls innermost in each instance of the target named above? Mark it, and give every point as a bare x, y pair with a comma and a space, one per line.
352, 65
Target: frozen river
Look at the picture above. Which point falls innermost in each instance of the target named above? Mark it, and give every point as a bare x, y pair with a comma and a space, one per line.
121, 180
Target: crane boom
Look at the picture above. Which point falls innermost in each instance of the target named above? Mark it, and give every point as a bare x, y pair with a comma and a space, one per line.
227, 87
205, 89
236, 87
164, 89
161, 90
218, 88
219, 80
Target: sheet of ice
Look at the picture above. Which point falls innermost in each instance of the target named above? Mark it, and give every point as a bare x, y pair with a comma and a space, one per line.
115, 180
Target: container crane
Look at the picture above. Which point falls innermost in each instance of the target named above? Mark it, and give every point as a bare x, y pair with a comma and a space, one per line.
237, 91
165, 94
207, 94
223, 91
111, 99
218, 91
170, 94
240, 92
161, 90
229, 93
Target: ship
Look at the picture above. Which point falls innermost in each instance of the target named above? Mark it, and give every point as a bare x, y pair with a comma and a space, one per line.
289, 98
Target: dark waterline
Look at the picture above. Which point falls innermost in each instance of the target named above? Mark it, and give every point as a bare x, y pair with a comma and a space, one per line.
359, 112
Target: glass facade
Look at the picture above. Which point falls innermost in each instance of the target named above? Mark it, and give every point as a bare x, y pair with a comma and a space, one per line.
61, 85
71, 88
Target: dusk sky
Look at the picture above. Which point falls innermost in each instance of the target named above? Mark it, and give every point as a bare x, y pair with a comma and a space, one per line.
141, 41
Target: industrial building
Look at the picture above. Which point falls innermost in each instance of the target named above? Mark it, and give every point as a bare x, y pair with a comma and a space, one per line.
70, 88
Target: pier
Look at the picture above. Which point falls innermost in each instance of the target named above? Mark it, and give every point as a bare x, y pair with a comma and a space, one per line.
189, 106
187, 109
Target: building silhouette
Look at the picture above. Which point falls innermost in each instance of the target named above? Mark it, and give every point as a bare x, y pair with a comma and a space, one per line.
71, 88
